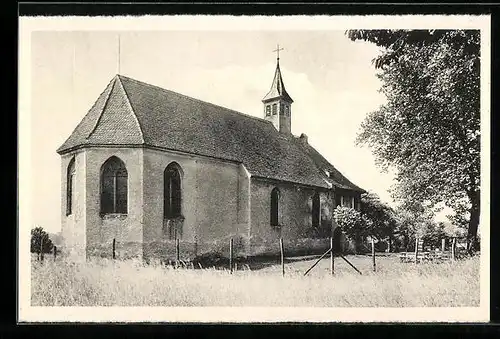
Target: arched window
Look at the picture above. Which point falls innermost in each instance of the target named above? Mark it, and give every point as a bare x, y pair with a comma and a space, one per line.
316, 210
172, 193
275, 197
114, 186
287, 110
268, 110
70, 184
275, 109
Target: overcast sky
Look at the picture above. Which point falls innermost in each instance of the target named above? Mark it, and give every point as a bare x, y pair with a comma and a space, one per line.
330, 78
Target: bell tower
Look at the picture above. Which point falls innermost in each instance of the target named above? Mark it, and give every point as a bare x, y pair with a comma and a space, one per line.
277, 102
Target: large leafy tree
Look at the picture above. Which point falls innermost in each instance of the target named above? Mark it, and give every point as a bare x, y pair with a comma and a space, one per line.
429, 129
381, 216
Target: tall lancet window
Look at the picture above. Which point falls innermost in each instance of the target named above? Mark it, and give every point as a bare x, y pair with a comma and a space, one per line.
275, 197
114, 186
172, 193
70, 186
316, 210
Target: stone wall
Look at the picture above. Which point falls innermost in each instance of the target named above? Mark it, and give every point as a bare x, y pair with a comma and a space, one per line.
213, 198
294, 215
219, 201
124, 228
73, 226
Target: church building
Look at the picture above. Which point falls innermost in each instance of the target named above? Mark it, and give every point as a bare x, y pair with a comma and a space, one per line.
147, 166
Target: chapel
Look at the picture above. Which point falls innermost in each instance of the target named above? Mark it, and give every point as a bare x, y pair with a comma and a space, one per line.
147, 166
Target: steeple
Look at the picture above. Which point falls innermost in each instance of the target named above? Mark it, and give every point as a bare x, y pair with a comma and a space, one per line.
277, 102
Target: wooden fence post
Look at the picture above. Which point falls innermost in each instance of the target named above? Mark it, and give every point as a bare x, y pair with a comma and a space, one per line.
282, 256
332, 262
231, 255
55, 252
453, 245
416, 249
373, 255
317, 261
114, 248
177, 251
443, 244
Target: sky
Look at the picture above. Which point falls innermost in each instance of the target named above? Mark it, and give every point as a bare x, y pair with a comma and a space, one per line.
331, 79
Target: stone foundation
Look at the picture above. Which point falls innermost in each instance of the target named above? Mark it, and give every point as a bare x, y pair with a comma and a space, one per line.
292, 247
243, 247
123, 250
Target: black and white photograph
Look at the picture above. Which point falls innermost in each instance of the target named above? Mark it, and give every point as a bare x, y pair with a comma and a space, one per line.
254, 169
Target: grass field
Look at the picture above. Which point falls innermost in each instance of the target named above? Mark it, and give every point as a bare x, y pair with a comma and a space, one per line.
102, 282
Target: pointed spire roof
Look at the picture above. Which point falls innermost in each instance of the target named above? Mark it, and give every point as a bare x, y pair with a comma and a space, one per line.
278, 87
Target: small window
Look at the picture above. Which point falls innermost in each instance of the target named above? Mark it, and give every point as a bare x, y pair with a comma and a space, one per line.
70, 185
282, 109
275, 196
347, 201
287, 110
275, 109
268, 110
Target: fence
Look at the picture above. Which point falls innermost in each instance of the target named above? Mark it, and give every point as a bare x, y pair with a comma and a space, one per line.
454, 252
41, 255
229, 254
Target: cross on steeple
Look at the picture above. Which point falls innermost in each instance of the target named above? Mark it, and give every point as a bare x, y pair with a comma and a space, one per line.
277, 50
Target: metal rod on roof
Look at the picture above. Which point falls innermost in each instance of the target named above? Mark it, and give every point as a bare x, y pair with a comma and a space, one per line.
73, 70
119, 52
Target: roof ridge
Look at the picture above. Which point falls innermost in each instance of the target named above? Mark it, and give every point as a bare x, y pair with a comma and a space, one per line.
102, 109
196, 100
132, 109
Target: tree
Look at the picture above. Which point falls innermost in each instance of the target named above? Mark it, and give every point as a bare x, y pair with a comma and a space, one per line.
428, 131
381, 216
413, 220
433, 234
352, 223
37, 236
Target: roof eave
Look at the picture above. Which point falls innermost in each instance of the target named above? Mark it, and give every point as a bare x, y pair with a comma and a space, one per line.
325, 187
284, 97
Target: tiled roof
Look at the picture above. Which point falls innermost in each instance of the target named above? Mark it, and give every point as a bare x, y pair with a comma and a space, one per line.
277, 88
130, 112
334, 176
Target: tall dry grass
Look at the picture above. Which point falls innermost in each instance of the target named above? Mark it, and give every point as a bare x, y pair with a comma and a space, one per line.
102, 282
